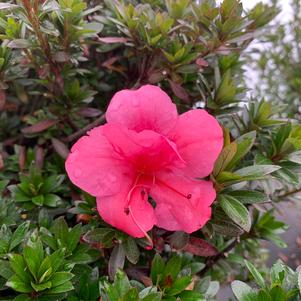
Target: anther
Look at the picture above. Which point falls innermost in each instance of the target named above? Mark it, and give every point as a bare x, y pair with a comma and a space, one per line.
189, 196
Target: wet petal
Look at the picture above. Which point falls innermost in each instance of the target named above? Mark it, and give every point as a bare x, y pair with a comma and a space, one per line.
128, 211
147, 151
148, 108
94, 166
182, 204
199, 140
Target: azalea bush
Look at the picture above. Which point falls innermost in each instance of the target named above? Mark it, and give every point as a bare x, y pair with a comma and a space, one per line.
134, 165
277, 60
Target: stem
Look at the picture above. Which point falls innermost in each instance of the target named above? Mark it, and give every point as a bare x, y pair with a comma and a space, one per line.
88, 127
281, 196
214, 259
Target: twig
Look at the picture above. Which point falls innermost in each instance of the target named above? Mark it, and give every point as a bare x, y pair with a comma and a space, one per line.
88, 127
213, 260
281, 196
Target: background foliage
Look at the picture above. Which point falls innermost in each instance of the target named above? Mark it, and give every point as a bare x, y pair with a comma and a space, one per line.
60, 63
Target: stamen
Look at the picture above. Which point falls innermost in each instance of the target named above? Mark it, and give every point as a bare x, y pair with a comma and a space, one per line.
186, 196
148, 238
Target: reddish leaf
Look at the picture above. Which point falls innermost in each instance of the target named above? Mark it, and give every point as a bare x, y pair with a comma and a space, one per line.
61, 57
200, 247
179, 91
224, 50
39, 127
201, 62
112, 40
178, 240
2, 99
60, 148
89, 112
156, 76
116, 260
109, 62
1, 161
22, 157
39, 157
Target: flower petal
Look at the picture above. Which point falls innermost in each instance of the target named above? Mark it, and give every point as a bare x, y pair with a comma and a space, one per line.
147, 151
93, 165
182, 204
148, 108
199, 140
134, 216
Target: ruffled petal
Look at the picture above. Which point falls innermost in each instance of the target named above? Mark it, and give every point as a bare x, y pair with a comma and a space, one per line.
148, 108
147, 151
129, 210
199, 140
182, 204
94, 166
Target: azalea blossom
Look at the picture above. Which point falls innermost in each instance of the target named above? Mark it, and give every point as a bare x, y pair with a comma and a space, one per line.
147, 150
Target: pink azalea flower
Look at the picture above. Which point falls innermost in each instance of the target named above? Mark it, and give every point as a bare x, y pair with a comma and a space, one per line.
147, 149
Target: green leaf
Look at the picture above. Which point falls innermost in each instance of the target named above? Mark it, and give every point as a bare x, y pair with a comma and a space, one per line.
194, 267
5, 269
242, 291
263, 296
203, 284
34, 256
191, 296
277, 293
152, 297
8, 6
19, 43
60, 229
178, 240
257, 276
212, 289
121, 283
73, 237
172, 268
131, 250
248, 196
179, 285
236, 211
38, 287
225, 227
51, 200
131, 295
65, 287
3, 184
38, 200
45, 269
224, 158
18, 285
57, 259
60, 278
18, 235
18, 265
256, 171
244, 144
157, 268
